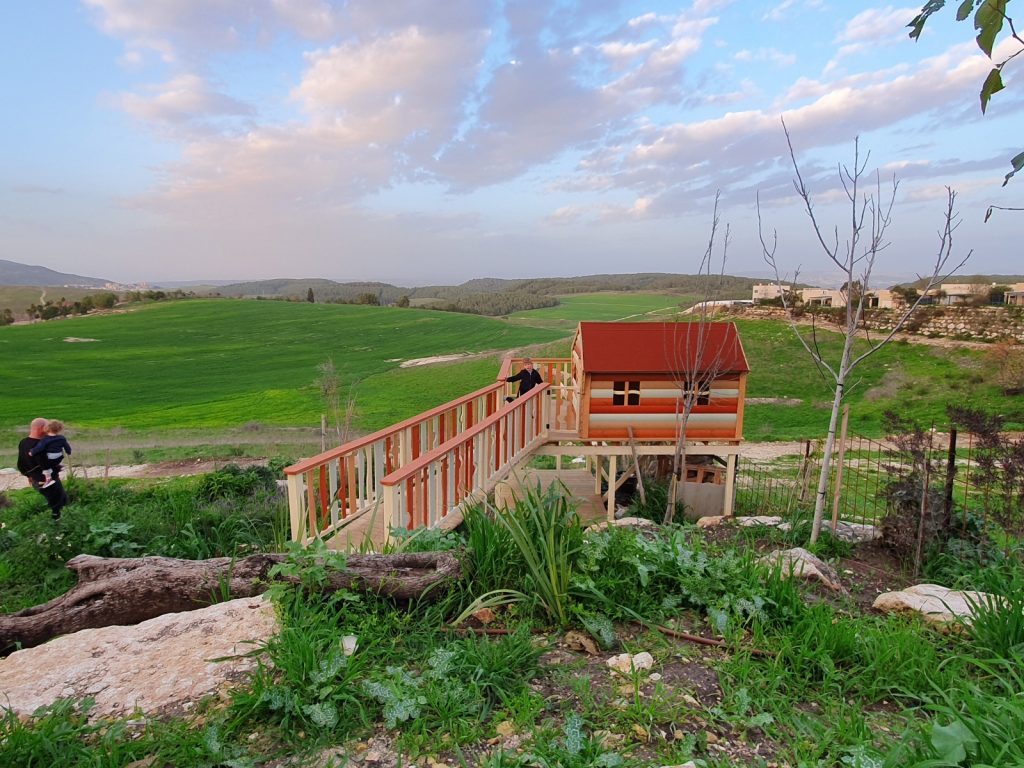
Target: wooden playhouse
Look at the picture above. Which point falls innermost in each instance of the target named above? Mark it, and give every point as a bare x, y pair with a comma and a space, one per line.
630, 378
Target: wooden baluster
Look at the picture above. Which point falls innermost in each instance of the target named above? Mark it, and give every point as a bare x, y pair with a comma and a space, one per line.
311, 501
325, 498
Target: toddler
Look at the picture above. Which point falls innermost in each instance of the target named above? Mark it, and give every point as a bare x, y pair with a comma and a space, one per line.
50, 450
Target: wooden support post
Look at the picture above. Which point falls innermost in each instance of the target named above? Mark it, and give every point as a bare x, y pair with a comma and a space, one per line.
295, 495
730, 485
840, 462
636, 466
612, 472
597, 475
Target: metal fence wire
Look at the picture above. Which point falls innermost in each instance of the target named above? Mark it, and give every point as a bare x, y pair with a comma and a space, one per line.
862, 470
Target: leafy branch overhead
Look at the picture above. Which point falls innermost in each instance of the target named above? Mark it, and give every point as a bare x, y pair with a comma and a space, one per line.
989, 20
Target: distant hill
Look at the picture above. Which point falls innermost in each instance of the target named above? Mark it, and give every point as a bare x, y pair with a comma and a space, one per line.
13, 273
329, 290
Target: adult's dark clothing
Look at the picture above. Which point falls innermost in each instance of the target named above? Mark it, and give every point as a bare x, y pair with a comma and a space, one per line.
528, 379
55, 495
50, 450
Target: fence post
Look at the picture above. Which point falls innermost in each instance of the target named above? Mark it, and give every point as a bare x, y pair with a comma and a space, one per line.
840, 461
947, 509
924, 512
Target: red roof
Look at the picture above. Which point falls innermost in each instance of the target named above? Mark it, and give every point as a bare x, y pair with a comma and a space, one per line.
662, 348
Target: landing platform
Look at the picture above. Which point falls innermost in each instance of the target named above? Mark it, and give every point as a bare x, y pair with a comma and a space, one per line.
579, 482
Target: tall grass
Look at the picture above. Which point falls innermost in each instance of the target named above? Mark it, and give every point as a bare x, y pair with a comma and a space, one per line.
229, 512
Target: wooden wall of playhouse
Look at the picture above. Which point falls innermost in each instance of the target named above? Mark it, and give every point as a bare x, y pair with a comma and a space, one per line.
649, 403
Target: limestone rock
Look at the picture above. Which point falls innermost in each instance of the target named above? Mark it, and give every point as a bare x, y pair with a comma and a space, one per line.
771, 521
578, 641
801, 563
625, 663
938, 605
625, 522
855, 533
161, 666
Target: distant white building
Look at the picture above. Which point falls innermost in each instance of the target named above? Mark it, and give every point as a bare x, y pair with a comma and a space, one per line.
822, 297
963, 293
883, 299
769, 291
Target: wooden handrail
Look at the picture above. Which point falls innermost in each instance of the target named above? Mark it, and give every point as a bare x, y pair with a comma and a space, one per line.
307, 464
430, 456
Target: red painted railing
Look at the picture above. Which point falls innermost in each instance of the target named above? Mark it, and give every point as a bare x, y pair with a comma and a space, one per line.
329, 490
467, 467
429, 464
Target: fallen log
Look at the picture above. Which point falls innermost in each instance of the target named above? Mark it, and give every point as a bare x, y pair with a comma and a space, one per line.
118, 591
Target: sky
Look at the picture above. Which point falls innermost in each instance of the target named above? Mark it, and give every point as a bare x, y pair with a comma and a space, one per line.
433, 141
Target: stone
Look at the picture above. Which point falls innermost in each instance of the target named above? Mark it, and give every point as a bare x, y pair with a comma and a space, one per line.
625, 522
485, 616
770, 521
938, 605
855, 533
505, 729
161, 666
802, 564
626, 663
578, 641
753, 521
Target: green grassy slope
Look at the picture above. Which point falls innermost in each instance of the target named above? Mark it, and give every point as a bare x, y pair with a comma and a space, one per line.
915, 380
210, 363
604, 306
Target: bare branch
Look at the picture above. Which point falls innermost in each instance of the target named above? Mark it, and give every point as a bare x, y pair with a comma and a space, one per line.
768, 254
939, 273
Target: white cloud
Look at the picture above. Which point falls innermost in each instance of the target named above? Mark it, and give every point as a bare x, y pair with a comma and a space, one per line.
741, 147
390, 89
871, 29
181, 100
772, 55
787, 8
877, 24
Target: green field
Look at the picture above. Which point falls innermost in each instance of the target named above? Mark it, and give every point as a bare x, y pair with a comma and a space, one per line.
915, 380
604, 306
208, 375
213, 364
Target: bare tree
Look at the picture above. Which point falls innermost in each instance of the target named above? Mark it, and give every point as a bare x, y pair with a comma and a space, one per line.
329, 383
870, 217
694, 360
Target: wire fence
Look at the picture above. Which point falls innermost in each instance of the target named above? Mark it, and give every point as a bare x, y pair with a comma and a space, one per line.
859, 485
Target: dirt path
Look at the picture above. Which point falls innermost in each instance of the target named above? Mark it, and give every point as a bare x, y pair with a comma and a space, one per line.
11, 480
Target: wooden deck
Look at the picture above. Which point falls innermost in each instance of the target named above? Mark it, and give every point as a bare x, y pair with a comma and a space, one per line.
579, 482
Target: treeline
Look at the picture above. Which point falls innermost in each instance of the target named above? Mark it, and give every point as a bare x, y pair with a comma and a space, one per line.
494, 304
62, 307
50, 309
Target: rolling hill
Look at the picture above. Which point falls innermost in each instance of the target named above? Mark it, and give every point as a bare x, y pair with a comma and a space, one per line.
13, 273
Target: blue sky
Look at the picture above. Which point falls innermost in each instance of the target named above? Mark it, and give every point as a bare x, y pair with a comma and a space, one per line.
417, 141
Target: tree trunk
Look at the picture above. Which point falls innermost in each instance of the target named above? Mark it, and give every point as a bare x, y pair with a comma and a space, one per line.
826, 464
127, 591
